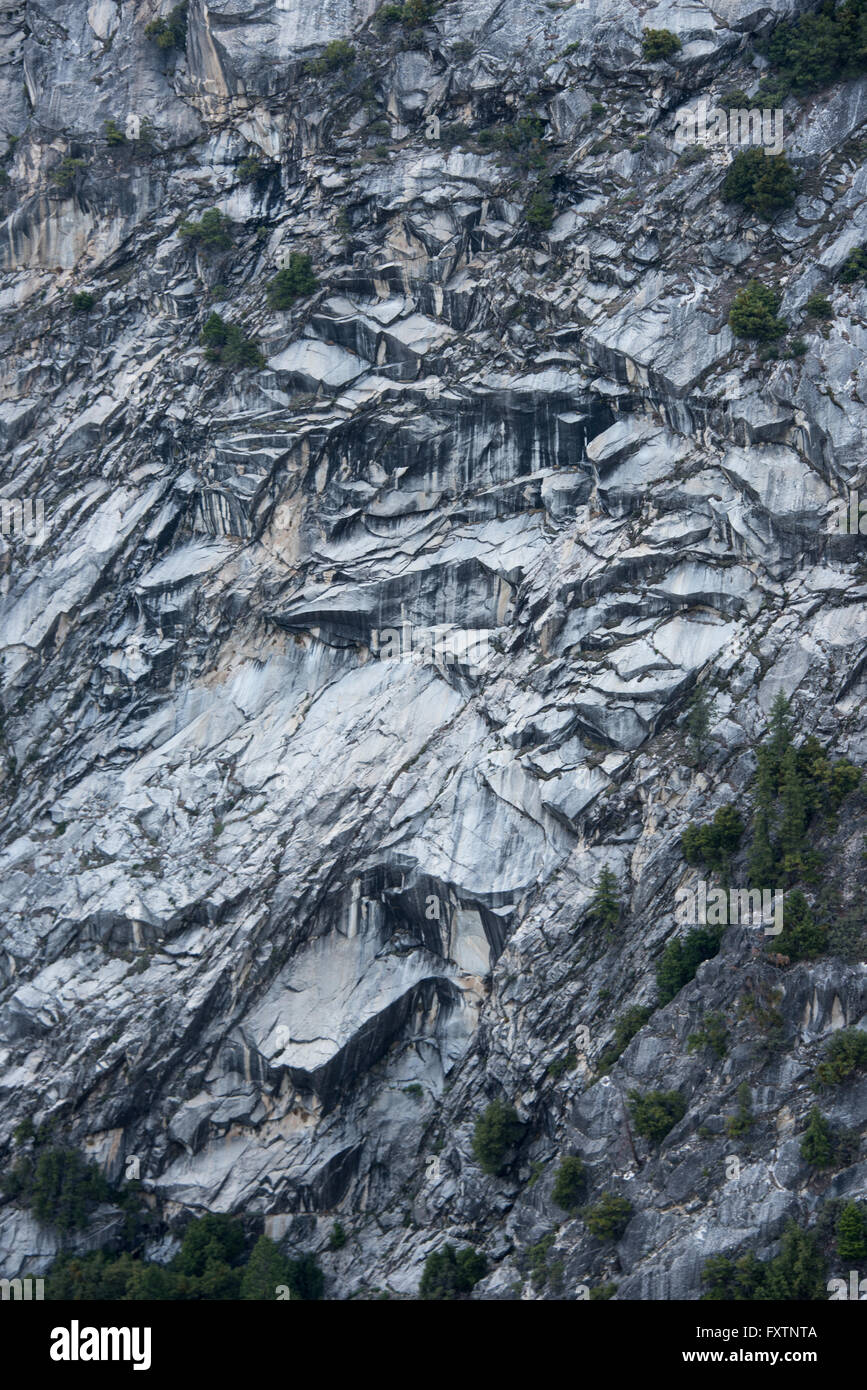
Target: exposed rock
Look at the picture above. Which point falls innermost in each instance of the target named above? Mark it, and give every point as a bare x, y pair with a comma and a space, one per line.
330, 685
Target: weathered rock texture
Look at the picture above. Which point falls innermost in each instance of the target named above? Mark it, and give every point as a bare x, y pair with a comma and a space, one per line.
281, 916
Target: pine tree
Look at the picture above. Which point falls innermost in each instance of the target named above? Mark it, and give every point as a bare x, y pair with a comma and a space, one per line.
762, 183
817, 1145
802, 937
780, 725
798, 1272
448, 1274
766, 777
697, 723
761, 860
306, 1280
605, 904
794, 821
723, 839
815, 772
851, 1232
496, 1131
266, 1270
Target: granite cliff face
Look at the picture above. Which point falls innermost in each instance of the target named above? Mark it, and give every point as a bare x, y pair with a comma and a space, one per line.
282, 913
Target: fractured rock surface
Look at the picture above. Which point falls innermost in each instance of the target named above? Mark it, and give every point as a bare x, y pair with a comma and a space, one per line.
281, 914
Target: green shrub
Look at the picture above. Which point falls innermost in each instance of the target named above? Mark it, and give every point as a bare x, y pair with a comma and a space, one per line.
82, 301
855, 266
851, 1233
97, 1275
455, 133
213, 1238
802, 938
567, 1062
412, 14
712, 1033
797, 348
337, 1239
600, 1292
846, 936
817, 1145
753, 313
772, 92
336, 55
818, 307
170, 32
60, 1186
742, 1121
209, 1266
227, 344
521, 144
539, 212
657, 44
797, 1274
682, 957
569, 1183
212, 233
147, 136
625, 1030
114, 135
450, 1274
714, 843
536, 1259
845, 778
693, 154
735, 100
655, 1113
536, 1170
819, 48
66, 172
609, 1217
292, 282
249, 169
496, 1131
763, 183
845, 1054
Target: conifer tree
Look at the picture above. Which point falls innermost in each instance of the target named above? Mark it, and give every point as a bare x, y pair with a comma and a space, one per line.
802, 937
851, 1232
761, 860
794, 820
798, 1272
817, 1145
266, 1270
780, 724
605, 904
697, 723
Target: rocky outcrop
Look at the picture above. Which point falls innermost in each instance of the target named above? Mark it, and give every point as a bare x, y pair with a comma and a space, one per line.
284, 907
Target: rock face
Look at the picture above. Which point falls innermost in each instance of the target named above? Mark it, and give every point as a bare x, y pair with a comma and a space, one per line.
330, 686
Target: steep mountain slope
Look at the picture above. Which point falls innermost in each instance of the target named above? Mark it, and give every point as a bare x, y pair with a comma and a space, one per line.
283, 913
